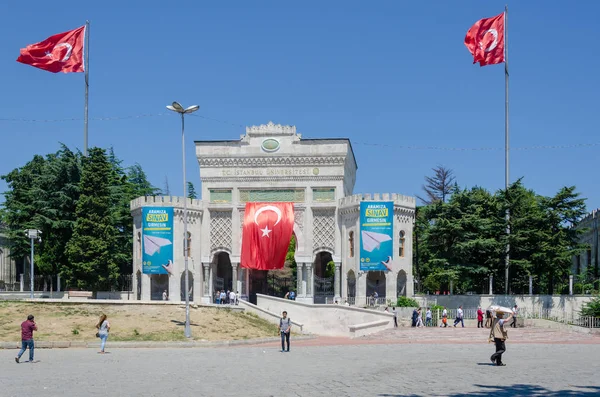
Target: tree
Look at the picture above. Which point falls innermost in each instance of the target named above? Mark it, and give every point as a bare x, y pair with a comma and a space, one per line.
439, 186
141, 186
191, 191
91, 250
166, 191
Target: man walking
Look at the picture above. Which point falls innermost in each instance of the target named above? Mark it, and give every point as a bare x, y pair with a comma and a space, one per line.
514, 322
428, 318
395, 317
499, 335
459, 317
285, 324
27, 328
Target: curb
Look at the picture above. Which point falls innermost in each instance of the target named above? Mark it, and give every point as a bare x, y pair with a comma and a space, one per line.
150, 345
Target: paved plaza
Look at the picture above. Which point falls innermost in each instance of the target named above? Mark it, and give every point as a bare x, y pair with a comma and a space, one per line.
396, 363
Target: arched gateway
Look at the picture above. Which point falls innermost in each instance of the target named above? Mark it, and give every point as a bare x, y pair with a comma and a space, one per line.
339, 253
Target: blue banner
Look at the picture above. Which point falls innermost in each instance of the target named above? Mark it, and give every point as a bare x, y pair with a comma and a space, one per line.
376, 235
157, 239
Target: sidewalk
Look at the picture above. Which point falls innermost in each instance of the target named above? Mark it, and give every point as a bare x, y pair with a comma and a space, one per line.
149, 344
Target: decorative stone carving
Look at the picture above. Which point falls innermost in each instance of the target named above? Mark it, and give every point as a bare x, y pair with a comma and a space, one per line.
272, 161
241, 179
220, 230
299, 218
271, 129
324, 229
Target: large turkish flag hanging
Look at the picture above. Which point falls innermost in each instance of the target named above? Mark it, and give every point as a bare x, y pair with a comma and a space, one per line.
62, 52
266, 235
485, 40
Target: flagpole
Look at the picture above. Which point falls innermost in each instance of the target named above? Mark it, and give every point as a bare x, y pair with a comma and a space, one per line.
506, 150
87, 87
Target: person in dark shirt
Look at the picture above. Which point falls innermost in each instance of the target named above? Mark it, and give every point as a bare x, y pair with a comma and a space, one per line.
27, 328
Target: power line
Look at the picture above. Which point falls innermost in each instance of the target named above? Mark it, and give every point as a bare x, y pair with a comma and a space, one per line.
393, 146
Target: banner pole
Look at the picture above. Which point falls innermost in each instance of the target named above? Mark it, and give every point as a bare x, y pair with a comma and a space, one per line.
506, 151
87, 87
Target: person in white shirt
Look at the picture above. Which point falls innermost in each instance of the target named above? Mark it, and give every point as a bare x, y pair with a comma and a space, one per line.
165, 296
459, 317
428, 318
232, 298
514, 322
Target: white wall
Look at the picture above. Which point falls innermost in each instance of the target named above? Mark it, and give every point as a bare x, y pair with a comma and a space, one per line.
566, 303
330, 320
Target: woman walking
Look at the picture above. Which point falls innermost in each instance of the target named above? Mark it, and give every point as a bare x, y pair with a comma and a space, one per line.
103, 327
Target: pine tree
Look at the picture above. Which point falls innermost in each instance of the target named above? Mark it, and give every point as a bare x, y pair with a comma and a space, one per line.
440, 186
191, 191
92, 247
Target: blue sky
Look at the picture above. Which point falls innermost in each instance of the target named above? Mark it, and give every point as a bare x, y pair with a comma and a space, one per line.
386, 74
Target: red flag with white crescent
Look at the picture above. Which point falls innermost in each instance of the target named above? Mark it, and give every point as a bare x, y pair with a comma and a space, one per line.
62, 52
268, 228
485, 40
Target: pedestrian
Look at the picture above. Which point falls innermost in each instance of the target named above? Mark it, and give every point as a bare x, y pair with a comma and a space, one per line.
479, 317
103, 327
165, 295
459, 317
488, 318
293, 295
444, 318
415, 317
419, 318
514, 322
223, 297
218, 297
285, 324
395, 313
428, 318
232, 298
499, 335
27, 328
237, 297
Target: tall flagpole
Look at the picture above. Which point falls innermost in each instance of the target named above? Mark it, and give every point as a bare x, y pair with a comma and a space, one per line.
87, 87
506, 150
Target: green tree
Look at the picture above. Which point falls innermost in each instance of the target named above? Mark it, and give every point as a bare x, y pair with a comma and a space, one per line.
141, 186
91, 250
191, 191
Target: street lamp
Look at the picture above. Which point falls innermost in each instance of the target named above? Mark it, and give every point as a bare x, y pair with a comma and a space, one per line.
33, 234
176, 107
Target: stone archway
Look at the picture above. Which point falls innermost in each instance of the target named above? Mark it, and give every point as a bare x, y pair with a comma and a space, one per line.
324, 275
159, 283
190, 284
223, 275
376, 284
401, 283
351, 284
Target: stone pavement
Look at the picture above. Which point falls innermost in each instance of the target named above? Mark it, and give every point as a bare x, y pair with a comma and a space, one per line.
394, 363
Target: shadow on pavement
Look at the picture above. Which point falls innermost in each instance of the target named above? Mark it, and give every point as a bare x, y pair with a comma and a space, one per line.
517, 390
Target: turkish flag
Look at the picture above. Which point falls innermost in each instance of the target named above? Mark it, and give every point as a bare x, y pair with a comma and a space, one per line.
485, 40
266, 235
62, 52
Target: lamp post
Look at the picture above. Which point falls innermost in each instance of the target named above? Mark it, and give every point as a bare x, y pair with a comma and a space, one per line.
32, 234
176, 107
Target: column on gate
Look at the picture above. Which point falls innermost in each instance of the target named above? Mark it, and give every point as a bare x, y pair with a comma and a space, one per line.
206, 296
146, 280
309, 280
337, 280
234, 276
299, 272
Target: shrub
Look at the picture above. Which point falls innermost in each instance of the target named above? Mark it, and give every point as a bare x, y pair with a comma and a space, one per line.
592, 308
75, 331
437, 307
403, 301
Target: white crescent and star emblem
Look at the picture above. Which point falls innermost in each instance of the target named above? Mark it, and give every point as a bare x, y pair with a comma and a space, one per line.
69, 48
266, 231
494, 44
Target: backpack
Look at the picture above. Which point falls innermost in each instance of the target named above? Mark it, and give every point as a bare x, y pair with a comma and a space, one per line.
292, 295
281, 324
